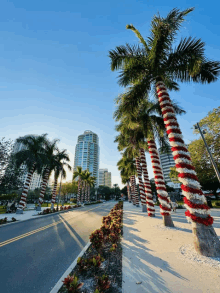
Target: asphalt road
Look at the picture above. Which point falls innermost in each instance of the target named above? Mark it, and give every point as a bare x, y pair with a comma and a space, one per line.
34, 254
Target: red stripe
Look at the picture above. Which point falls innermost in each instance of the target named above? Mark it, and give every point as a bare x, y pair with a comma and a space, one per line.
176, 139
184, 165
188, 175
161, 188
208, 221
172, 124
181, 156
165, 208
190, 189
195, 205
163, 197
174, 130
179, 148
167, 111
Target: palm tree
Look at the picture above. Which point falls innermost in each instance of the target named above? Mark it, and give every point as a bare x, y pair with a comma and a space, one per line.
87, 176
145, 122
156, 65
33, 159
91, 183
60, 162
78, 173
50, 150
127, 165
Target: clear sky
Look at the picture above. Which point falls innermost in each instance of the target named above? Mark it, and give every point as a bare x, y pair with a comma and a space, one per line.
55, 71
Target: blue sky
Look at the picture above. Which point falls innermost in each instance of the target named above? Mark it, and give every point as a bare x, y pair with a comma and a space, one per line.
55, 71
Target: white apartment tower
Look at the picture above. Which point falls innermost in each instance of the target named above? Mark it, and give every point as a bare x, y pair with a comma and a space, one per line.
105, 177
167, 161
87, 153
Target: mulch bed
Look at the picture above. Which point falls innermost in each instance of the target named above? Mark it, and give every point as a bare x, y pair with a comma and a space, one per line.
111, 266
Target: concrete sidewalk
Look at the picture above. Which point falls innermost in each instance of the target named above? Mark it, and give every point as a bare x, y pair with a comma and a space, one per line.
160, 259
21, 217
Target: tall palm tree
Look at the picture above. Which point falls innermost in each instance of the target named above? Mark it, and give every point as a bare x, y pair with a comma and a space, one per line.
91, 183
87, 176
60, 162
33, 159
50, 150
78, 173
156, 65
146, 119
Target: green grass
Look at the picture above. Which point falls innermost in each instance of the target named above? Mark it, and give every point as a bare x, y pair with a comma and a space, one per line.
2, 210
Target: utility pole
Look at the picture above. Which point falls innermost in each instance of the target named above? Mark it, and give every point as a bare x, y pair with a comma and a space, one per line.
210, 154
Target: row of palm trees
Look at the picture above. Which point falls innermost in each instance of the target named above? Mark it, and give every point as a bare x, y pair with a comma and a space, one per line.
85, 182
40, 155
152, 68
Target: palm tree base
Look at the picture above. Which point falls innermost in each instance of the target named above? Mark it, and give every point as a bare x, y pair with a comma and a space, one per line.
144, 208
38, 208
167, 220
137, 205
205, 240
19, 211
52, 206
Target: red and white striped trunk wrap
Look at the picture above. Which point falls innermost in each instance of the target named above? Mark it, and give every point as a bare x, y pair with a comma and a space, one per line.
54, 191
162, 194
43, 186
79, 188
128, 191
195, 201
89, 193
147, 186
25, 189
136, 192
133, 189
141, 184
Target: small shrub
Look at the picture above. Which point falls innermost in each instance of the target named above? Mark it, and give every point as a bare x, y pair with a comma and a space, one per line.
103, 283
113, 248
83, 263
72, 284
97, 239
96, 260
3, 221
13, 219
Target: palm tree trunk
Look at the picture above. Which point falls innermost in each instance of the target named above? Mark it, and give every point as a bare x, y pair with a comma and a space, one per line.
83, 190
79, 187
23, 199
89, 193
141, 184
54, 194
148, 191
128, 191
205, 239
136, 193
133, 189
162, 194
43, 187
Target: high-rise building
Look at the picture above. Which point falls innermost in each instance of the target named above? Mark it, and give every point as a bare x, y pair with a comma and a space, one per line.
36, 178
87, 153
105, 177
167, 161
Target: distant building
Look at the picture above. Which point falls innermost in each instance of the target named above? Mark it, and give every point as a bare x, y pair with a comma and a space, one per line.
167, 162
105, 177
36, 178
87, 153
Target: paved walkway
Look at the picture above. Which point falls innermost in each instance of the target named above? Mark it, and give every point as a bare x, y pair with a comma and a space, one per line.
25, 216
160, 259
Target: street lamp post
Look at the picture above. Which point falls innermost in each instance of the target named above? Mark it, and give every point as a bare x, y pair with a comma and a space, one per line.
210, 154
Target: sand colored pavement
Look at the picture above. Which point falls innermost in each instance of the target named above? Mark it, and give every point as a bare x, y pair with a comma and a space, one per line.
160, 259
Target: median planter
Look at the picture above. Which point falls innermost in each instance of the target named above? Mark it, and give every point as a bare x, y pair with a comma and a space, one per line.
62, 209
100, 268
5, 220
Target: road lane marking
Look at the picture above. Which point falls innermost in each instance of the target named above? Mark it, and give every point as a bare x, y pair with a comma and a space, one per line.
38, 230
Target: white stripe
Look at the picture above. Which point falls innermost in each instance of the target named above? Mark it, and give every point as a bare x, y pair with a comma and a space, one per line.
183, 160
161, 211
180, 152
190, 196
177, 135
199, 211
172, 127
176, 143
191, 182
184, 170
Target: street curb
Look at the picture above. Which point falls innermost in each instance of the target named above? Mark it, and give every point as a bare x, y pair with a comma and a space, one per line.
52, 214
59, 284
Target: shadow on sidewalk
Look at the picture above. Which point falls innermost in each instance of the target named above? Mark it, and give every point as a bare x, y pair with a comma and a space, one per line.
139, 265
